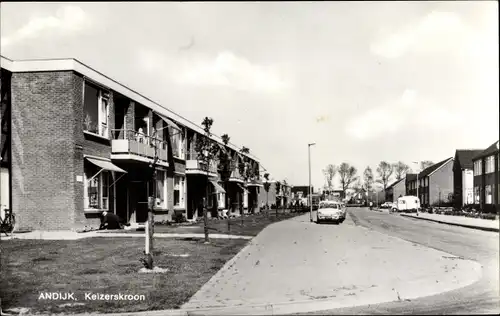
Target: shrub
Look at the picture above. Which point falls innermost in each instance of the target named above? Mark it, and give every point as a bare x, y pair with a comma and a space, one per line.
489, 216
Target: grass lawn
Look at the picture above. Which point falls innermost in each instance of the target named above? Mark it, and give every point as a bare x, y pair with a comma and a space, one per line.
107, 265
250, 225
110, 266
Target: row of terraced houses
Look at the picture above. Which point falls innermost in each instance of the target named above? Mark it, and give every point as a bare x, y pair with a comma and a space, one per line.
471, 177
76, 142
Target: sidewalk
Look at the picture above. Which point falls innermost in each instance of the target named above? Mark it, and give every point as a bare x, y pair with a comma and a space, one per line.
474, 223
70, 235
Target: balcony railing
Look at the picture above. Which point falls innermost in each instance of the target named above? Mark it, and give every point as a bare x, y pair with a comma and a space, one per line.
254, 182
236, 175
193, 165
130, 142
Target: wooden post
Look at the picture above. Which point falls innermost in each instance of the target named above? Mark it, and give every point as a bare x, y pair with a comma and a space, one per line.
149, 234
205, 219
228, 215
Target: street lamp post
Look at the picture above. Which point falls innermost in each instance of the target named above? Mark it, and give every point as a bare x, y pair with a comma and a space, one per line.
310, 188
418, 197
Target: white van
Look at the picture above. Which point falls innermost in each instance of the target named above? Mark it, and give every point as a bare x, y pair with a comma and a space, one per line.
407, 203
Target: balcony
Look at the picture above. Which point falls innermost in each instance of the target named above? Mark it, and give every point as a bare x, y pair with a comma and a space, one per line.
195, 166
254, 183
236, 176
129, 145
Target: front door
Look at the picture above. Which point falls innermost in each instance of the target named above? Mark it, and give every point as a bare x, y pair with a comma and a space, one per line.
139, 200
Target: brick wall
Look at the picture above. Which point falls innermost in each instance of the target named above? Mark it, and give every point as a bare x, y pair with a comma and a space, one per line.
399, 189
441, 183
43, 149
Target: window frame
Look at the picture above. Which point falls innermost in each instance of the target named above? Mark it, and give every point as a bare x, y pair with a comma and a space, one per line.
182, 191
103, 95
103, 98
100, 193
488, 198
478, 166
490, 164
163, 205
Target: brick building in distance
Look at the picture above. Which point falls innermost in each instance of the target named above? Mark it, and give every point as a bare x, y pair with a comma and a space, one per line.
487, 179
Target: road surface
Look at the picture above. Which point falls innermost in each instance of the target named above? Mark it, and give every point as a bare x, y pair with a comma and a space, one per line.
296, 266
481, 246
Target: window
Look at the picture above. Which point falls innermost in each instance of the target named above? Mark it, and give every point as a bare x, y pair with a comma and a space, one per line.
221, 197
476, 195
478, 165
179, 191
490, 164
488, 194
96, 110
177, 140
96, 189
161, 189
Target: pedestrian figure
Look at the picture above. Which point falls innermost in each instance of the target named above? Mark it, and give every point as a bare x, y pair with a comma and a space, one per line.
110, 221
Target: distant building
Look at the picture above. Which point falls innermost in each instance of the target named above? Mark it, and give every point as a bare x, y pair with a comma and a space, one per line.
435, 184
301, 191
463, 177
395, 190
280, 197
486, 178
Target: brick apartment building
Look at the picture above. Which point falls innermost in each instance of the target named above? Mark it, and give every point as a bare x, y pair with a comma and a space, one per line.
274, 197
435, 184
76, 142
486, 178
463, 178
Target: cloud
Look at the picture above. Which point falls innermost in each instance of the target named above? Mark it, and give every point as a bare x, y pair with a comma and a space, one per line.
408, 111
67, 19
225, 70
436, 32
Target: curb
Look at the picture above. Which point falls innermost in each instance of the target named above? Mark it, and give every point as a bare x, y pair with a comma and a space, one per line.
490, 229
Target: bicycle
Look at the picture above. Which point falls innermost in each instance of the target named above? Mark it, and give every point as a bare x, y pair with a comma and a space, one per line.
7, 223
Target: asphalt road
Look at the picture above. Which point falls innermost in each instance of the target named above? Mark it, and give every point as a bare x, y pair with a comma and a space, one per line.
482, 297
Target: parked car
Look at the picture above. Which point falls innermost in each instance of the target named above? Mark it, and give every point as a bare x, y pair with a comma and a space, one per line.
387, 205
331, 211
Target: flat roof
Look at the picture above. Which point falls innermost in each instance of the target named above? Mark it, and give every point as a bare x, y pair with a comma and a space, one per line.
72, 64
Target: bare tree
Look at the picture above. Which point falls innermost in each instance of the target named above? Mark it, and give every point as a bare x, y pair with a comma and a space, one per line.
384, 171
347, 176
329, 173
368, 179
425, 164
400, 170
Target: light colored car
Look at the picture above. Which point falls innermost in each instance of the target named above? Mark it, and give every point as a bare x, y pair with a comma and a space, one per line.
386, 205
331, 211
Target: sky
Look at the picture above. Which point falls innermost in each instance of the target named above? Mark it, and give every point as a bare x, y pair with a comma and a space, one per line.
365, 81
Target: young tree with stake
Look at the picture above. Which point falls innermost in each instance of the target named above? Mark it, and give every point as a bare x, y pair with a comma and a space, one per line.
206, 150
